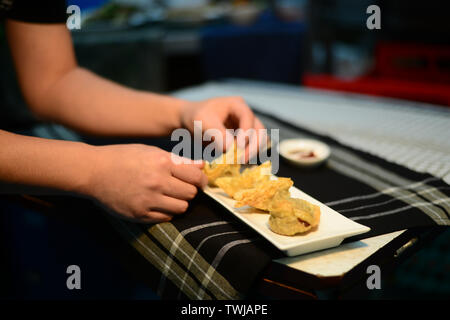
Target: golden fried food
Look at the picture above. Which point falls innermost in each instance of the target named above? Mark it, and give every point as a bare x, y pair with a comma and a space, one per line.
253, 187
258, 173
290, 216
261, 195
224, 166
248, 179
214, 171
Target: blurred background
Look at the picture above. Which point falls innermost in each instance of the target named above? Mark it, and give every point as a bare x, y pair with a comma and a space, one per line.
166, 45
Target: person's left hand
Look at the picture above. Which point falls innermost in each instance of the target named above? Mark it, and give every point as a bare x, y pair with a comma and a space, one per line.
225, 113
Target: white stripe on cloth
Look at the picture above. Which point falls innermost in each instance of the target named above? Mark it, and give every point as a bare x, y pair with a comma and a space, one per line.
197, 250
165, 271
162, 281
222, 253
176, 248
391, 200
379, 184
382, 174
417, 205
344, 157
202, 226
337, 163
380, 193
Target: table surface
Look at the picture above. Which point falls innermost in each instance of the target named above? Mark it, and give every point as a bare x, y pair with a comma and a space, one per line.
336, 262
412, 134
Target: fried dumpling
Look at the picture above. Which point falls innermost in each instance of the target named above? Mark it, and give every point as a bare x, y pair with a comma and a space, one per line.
248, 179
261, 195
290, 216
227, 165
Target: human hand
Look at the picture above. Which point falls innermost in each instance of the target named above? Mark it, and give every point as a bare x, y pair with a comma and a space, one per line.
225, 113
143, 183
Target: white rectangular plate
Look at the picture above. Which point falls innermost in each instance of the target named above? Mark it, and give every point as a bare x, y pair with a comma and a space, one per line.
332, 230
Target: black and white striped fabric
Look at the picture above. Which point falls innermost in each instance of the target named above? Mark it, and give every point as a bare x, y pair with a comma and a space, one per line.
384, 196
208, 254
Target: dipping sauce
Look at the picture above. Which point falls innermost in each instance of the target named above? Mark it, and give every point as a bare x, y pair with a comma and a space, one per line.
302, 153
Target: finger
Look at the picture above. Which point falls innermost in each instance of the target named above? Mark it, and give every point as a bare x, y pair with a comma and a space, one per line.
157, 217
251, 150
258, 142
244, 114
246, 120
153, 217
177, 160
178, 189
219, 134
258, 124
169, 204
190, 174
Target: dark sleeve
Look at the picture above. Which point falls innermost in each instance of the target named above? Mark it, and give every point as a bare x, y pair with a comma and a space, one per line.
38, 11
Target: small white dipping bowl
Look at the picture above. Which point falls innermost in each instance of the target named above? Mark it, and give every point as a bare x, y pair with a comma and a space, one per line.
304, 152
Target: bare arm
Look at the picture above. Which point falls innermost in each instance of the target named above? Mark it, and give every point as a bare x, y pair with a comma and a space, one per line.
136, 181
46, 163
57, 89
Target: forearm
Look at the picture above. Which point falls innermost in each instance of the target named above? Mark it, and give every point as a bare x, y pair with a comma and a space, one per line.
45, 163
90, 104
56, 89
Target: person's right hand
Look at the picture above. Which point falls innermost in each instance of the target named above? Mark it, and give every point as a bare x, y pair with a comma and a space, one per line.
142, 183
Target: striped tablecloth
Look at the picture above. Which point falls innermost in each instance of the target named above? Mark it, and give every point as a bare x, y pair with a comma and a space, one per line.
208, 254
380, 194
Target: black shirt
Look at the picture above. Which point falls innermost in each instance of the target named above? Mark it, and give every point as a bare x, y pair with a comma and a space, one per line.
14, 113
38, 11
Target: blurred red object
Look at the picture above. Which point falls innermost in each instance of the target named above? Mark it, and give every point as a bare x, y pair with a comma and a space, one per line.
413, 62
412, 72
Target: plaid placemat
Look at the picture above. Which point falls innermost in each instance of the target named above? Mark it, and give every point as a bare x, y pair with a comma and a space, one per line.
365, 188
208, 254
